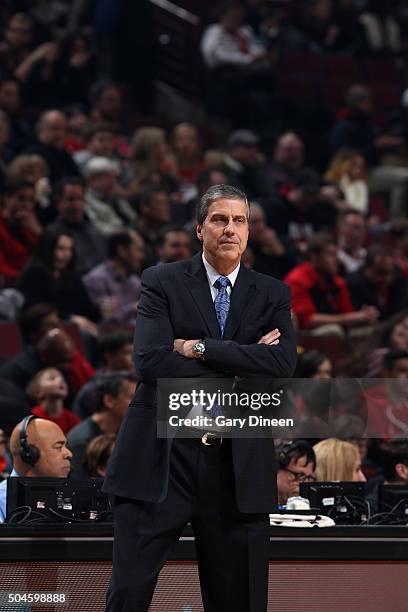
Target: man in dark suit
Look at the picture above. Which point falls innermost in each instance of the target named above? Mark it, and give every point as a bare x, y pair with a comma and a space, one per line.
207, 317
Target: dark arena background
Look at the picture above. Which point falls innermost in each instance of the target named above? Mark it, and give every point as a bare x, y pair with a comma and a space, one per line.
116, 116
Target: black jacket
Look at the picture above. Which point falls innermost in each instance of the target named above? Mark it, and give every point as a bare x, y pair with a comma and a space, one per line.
176, 302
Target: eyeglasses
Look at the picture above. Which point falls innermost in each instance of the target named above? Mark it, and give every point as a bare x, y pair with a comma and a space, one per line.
299, 476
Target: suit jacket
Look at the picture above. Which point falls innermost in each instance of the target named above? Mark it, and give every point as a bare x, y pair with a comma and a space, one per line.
176, 302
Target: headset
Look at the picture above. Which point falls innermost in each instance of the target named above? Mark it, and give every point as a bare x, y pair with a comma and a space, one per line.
29, 453
285, 454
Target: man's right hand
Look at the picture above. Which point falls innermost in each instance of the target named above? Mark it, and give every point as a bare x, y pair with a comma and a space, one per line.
270, 338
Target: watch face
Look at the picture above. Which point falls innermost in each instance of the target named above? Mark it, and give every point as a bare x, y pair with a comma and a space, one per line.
199, 347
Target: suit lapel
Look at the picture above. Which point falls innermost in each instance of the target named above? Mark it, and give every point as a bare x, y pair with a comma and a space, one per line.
197, 283
243, 294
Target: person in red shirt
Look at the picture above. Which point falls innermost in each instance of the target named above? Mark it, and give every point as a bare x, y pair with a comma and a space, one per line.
19, 229
320, 298
49, 388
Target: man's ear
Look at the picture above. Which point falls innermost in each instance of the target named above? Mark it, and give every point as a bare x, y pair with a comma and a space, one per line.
198, 232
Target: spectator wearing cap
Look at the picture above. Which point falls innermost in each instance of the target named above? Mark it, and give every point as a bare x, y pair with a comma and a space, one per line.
114, 285
51, 134
90, 244
107, 210
320, 298
19, 229
243, 164
379, 283
355, 129
114, 392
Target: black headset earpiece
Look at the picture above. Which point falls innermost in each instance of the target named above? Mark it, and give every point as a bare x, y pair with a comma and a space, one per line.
284, 454
29, 453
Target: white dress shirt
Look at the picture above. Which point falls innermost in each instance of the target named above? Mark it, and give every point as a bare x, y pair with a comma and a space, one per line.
213, 275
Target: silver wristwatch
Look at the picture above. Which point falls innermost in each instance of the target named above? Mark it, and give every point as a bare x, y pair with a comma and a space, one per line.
199, 349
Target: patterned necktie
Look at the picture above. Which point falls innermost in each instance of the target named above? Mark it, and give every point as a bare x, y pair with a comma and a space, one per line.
222, 301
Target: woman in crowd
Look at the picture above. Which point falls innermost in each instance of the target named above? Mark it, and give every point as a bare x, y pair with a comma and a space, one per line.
338, 460
51, 277
150, 161
97, 455
348, 171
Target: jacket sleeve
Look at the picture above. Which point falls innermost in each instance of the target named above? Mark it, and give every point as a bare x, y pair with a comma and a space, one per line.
154, 337
259, 359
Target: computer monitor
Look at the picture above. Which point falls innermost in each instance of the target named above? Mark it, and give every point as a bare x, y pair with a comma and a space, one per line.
393, 503
342, 501
61, 500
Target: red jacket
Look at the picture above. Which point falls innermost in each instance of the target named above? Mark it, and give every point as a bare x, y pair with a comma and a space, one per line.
14, 251
312, 293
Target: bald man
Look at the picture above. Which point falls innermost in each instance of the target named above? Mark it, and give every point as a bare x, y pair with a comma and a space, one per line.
54, 460
51, 134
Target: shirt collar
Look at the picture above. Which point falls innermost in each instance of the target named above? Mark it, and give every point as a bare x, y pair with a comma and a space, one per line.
213, 275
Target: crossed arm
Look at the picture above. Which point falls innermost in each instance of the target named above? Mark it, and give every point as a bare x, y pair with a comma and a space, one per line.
159, 355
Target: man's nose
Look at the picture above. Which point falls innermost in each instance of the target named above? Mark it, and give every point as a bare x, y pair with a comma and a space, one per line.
68, 453
229, 228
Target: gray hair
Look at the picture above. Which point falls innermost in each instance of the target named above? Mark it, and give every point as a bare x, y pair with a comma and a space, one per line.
217, 192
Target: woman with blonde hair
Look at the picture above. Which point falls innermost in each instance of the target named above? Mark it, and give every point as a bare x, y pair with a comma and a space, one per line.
337, 460
150, 161
348, 170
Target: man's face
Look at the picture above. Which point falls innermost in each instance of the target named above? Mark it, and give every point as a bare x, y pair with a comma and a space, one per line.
232, 19
133, 256
247, 155
353, 231
326, 262
288, 478
176, 247
158, 210
18, 205
121, 403
71, 207
186, 143
289, 152
110, 103
18, 33
53, 130
224, 232
381, 274
101, 144
9, 97
122, 359
257, 225
55, 456
400, 370
104, 183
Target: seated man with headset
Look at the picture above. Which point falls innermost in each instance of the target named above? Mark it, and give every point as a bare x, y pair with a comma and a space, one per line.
296, 463
39, 449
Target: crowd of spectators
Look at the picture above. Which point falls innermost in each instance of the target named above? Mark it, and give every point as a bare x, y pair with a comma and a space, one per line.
90, 197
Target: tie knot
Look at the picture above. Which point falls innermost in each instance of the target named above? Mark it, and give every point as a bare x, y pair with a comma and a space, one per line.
222, 281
